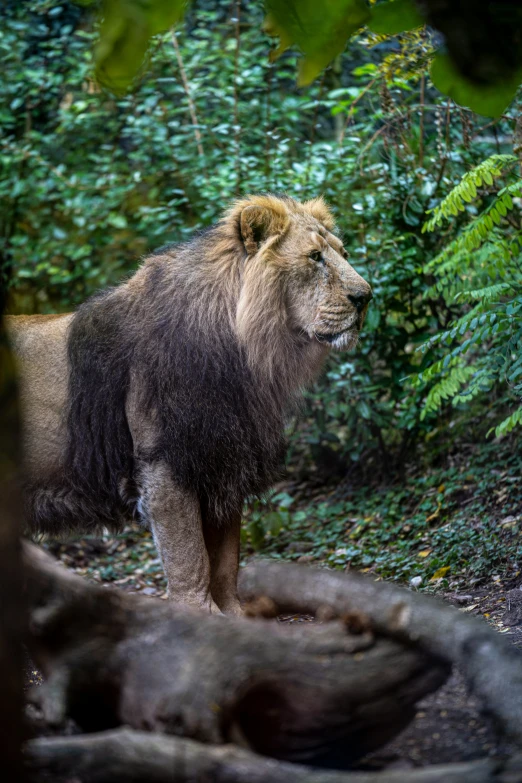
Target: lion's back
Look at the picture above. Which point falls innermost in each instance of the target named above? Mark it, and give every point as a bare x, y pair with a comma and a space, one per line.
40, 344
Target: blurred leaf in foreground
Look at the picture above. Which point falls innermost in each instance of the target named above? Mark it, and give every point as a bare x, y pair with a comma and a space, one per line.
125, 32
319, 30
395, 17
487, 99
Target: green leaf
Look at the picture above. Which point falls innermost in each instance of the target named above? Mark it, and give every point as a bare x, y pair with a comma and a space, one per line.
495, 216
125, 32
273, 522
118, 221
395, 17
319, 30
363, 409
489, 100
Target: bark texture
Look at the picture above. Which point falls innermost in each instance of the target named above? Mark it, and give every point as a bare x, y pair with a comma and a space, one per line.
11, 606
490, 664
321, 694
125, 756
242, 698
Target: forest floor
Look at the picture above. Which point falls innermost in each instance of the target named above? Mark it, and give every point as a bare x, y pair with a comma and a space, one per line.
455, 530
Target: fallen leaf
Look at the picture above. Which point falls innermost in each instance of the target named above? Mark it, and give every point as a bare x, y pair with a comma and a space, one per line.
440, 573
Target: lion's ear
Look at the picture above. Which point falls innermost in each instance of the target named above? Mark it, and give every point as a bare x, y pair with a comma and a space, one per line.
257, 225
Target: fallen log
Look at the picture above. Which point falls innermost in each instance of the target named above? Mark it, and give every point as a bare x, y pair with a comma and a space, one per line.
230, 689
324, 694
125, 756
491, 666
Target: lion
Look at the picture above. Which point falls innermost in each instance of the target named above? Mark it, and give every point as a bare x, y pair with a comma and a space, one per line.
165, 398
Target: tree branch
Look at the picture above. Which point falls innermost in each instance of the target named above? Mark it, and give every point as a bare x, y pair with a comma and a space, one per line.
125, 756
186, 87
491, 666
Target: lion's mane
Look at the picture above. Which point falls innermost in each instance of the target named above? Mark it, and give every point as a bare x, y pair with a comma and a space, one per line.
217, 394
170, 329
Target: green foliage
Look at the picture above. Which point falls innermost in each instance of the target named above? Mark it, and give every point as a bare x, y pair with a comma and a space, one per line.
395, 17
466, 191
266, 519
320, 31
480, 271
92, 182
125, 32
488, 99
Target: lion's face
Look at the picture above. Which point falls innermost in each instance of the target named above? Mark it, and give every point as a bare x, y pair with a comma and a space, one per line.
295, 278
326, 299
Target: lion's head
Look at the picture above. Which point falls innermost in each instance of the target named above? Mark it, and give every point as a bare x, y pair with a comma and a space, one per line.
296, 270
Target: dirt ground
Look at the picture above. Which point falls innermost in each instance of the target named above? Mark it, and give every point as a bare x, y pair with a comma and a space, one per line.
448, 725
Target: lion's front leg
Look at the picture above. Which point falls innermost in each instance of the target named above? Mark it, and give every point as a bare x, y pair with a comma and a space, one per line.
174, 517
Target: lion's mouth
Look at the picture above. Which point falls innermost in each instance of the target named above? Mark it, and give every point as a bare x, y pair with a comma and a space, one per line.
342, 340
329, 338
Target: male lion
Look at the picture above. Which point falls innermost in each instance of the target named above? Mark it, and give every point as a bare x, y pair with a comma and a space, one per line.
165, 397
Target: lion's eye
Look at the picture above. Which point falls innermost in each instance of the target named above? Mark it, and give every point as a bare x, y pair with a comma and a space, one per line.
344, 253
316, 255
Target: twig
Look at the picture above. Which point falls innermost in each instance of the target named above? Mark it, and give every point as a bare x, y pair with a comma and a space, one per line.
237, 134
421, 122
186, 87
312, 132
353, 103
370, 144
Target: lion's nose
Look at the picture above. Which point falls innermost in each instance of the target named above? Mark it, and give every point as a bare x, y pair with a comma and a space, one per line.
361, 298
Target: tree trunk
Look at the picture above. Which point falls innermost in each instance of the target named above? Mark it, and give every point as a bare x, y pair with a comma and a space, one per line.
12, 610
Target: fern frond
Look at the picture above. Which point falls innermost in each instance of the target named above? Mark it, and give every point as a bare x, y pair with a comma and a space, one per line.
509, 423
447, 387
488, 293
481, 382
481, 270
466, 190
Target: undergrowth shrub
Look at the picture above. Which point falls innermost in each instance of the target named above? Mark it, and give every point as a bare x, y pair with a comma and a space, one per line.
480, 272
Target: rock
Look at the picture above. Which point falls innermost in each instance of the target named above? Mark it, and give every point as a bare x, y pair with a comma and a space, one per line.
462, 599
299, 546
513, 616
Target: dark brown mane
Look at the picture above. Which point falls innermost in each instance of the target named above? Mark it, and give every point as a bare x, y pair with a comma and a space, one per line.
220, 430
